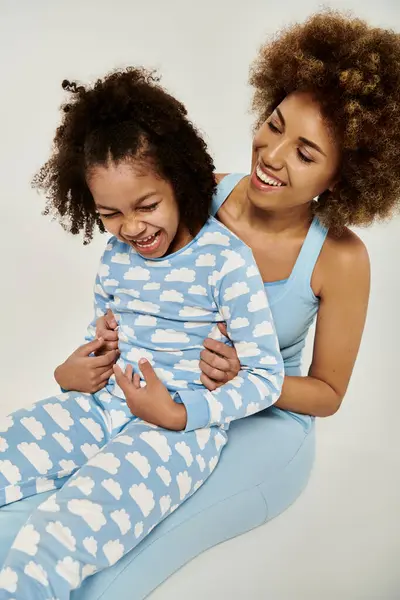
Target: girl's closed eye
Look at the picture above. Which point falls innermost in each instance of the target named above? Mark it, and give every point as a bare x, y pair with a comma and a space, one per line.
108, 215
149, 207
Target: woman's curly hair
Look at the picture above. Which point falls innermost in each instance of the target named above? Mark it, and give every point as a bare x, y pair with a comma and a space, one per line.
125, 115
353, 71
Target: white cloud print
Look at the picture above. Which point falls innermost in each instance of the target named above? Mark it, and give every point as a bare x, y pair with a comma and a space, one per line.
121, 258
198, 290
112, 487
169, 336
244, 349
257, 302
121, 518
205, 260
214, 237
184, 451
6, 423
151, 286
239, 322
89, 511
135, 354
35, 571
264, 328
93, 428
10, 471
106, 461
188, 365
84, 484
237, 289
38, 457
146, 307
252, 271
8, 580
104, 270
59, 415
137, 274
27, 540
171, 296
143, 497
184, 274
184, 482
64, 441
34, 427
193, 311
69, 569
140, 462
113, 551
164, 475
145, 321
62, 534
268, 360
158, 442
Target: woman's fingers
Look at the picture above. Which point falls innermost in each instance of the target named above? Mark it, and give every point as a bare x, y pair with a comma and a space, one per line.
215, 361
216, 374
210, 384
220, 348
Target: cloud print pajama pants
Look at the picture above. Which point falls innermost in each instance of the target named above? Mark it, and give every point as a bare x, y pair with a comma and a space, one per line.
115, 478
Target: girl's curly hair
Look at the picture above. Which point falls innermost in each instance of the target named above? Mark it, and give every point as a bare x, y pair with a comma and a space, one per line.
353, 71
125, 115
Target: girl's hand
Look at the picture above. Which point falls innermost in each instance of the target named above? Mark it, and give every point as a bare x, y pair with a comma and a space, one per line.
153, 402
84, 373
219, 363
106, 328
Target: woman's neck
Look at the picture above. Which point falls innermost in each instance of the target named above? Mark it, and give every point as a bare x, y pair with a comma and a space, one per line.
291, 221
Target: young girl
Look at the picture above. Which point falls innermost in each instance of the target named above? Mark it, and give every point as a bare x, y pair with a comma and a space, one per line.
128, 454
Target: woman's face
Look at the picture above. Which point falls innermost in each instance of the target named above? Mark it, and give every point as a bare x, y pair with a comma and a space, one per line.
295, 157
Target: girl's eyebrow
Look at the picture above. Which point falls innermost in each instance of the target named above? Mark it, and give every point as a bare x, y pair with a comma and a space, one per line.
138, 201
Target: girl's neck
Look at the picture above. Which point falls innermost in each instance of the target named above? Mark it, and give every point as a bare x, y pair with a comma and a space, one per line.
182, 238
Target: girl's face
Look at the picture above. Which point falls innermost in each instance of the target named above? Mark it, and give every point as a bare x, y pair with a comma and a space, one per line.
295, 157
138, 207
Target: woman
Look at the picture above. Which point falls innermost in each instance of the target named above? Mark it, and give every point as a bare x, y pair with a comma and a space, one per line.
325, 156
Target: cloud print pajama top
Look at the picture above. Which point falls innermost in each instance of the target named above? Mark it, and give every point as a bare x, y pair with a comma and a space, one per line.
115, 476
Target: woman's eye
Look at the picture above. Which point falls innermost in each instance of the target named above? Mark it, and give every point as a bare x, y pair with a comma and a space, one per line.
273, 127
150, 207
303, 157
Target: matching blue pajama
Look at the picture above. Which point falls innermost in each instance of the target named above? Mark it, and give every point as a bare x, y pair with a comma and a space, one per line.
116, 477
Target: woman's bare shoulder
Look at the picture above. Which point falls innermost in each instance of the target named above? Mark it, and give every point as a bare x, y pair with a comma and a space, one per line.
344, 259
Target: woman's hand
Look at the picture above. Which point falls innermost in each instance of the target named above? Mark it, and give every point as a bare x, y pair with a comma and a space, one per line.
219, 363
84, 373
106, 328
153, 402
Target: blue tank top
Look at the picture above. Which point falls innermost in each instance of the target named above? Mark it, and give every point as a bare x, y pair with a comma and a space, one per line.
292, 301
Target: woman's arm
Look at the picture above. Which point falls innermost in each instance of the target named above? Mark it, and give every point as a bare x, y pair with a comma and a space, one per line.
344, 297
340, 324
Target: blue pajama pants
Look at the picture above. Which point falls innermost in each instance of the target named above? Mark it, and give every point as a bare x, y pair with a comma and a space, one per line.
115, 478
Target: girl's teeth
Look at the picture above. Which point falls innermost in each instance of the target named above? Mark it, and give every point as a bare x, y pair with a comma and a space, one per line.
265, 179
148, 242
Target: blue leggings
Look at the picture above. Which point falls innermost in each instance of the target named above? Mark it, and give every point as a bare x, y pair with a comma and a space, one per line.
115, 478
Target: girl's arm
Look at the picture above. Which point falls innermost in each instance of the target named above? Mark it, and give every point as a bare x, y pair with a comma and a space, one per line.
344, 300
